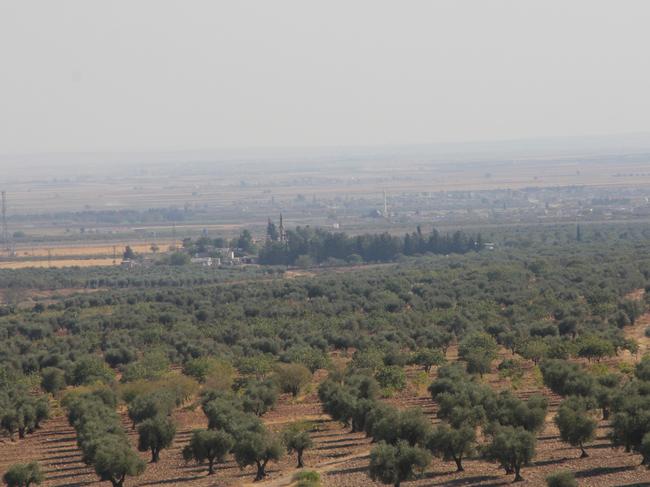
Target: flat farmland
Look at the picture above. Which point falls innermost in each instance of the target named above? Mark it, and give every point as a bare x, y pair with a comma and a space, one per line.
25, 264
100, 254
253, 184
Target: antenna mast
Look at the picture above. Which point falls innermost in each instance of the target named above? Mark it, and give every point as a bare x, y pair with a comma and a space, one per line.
385, 205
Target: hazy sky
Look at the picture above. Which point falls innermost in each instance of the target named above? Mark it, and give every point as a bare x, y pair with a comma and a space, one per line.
124, 75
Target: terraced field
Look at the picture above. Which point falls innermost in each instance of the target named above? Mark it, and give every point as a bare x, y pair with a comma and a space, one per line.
339, 455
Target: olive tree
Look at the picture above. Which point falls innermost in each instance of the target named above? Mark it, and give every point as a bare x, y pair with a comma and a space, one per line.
260, 397
427, 358
509, 410
512, 448
209, 445
23, 475
451, 443
631, 420
388, 424
113, 462
203, 368
391, 377
296, 438
156, 434
644, 450
257, 448
478, 350
147, 406
567, 379
576, 425
605, 392
593, 347
52, 379
393, 464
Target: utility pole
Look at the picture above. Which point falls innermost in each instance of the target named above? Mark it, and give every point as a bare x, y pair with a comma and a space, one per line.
5, 232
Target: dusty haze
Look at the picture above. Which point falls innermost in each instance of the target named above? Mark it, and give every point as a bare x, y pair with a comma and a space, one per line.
81, 75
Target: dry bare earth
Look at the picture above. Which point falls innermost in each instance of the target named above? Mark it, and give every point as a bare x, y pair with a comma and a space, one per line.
340, 456
72, 255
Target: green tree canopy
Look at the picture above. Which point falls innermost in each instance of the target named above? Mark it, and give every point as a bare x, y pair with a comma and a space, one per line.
257, 448
512, 448
113, 462
576, 425
297, 439
156, 434
393, 464
478, 350
23, 475
451, 443
209, 445
292, 378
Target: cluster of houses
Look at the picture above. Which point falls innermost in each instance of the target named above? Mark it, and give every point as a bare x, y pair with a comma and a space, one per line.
227, 259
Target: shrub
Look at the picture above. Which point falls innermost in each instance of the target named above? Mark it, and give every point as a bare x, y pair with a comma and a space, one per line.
306, 478
561, 479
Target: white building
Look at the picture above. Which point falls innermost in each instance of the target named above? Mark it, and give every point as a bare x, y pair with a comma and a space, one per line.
204, 261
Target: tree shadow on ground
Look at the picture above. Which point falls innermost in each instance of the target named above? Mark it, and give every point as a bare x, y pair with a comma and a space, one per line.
337, 446
469, 480
176, 480
553, 461
349, 470
596, 471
